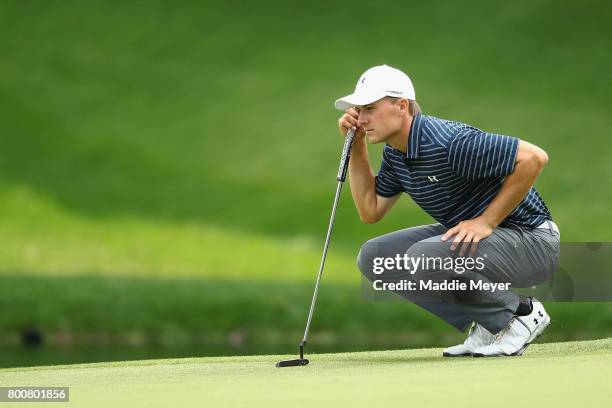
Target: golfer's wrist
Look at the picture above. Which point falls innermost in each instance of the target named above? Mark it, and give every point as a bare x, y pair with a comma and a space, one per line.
359, 143
490, 220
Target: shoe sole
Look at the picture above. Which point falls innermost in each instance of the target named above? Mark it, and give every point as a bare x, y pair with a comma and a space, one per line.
444, 354
520, 351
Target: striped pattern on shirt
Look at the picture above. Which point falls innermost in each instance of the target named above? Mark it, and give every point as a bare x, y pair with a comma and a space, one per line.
453, 171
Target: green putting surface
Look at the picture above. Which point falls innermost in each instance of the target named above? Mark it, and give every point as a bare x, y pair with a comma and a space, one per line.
554, 374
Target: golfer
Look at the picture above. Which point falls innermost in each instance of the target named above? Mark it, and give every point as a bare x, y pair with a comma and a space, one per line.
478, 186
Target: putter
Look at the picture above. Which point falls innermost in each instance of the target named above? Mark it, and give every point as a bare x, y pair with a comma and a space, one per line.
344, 161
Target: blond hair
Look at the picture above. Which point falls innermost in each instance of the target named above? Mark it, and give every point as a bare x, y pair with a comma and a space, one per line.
413, 106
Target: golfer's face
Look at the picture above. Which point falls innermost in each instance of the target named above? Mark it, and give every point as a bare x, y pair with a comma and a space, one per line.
379, 119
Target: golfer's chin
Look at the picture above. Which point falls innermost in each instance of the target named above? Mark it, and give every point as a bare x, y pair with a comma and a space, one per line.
373, 137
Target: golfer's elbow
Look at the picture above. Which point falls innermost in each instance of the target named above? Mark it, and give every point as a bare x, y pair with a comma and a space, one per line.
368, 218
542, 158
532, 155
537, 160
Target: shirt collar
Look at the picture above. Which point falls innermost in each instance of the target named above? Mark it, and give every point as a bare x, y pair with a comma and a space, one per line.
413, 138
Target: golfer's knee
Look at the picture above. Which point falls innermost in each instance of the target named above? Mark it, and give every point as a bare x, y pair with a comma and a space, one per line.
365, 257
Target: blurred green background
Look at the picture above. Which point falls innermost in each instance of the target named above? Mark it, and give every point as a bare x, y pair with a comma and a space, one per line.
167, 168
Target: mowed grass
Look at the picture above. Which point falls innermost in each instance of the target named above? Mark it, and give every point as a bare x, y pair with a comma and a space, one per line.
42, 238
554, 374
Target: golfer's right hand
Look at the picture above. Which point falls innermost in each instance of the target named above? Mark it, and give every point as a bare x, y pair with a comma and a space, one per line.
348, 121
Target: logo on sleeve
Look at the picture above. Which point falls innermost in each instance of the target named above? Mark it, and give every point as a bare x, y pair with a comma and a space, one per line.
433, 179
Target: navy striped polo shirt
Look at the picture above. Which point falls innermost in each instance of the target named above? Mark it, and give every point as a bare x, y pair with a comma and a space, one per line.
453, 171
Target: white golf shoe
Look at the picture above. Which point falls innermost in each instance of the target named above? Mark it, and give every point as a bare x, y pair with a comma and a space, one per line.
477, 337
520, 332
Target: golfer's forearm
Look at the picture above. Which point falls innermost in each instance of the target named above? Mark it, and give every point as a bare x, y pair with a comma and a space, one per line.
513, 190
362, 183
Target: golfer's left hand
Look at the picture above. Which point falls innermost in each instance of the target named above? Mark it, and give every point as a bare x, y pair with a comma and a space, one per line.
469, 231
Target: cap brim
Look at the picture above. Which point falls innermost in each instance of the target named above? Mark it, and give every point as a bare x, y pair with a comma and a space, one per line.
356, 99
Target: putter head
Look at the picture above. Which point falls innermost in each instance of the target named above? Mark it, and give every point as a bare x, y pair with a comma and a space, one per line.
293, 363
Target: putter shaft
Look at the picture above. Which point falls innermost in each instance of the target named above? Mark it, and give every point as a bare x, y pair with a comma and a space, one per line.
342, 170
344, 161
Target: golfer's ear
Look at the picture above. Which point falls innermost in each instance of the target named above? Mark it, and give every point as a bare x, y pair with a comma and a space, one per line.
403, 106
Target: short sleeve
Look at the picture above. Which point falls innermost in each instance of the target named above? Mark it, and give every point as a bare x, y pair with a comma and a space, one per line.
474, 154
387, 182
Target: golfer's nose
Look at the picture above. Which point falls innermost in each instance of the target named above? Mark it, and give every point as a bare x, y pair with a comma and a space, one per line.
362, 120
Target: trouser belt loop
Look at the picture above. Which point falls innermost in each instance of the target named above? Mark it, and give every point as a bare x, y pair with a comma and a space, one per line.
550, 227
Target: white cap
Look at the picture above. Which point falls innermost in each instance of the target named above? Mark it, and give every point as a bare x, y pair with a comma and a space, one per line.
376, 83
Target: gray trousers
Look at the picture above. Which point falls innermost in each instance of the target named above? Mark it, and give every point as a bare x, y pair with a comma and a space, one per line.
518, 255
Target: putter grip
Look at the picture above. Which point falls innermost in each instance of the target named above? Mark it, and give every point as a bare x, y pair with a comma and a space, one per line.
346, 154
